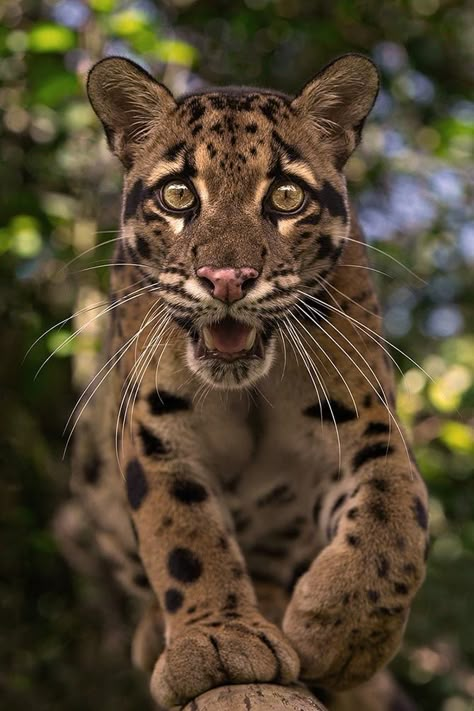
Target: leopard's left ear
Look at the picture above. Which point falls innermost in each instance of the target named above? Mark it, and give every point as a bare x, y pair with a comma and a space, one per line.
336, 102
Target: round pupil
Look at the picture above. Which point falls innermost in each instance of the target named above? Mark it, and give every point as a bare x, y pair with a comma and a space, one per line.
178, 196
287, 197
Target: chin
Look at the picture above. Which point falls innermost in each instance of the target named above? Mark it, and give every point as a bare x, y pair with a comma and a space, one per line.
231, 354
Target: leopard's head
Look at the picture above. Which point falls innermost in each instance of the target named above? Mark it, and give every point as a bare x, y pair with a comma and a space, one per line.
234, 203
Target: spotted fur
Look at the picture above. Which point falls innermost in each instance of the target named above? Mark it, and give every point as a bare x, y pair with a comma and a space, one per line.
286, 472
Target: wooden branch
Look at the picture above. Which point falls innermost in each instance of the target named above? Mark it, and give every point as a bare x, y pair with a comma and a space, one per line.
256, 697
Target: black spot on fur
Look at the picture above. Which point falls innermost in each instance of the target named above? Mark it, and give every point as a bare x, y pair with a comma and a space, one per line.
421, 514
376, 428
367, 401
152, 445
352, 540
373, 595
280, 494
197, 111
380, 485
164, 403
401, 589
382, 565
92, 470
325, 246
188, 491
231, 601
137, 485
372, 451
329, 410
143, 247
251, 128
353, 513
184, 565
378, 511
173, 600
133, 199
333, 201
141, 580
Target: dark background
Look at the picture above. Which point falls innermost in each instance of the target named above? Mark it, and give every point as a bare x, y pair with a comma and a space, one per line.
64, 636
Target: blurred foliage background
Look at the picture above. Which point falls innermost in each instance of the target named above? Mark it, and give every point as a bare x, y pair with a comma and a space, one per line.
64, 636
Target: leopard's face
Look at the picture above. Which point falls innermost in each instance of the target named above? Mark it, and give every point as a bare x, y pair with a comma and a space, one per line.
235, 206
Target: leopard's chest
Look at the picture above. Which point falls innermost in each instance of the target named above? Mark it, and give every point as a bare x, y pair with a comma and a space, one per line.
269, 477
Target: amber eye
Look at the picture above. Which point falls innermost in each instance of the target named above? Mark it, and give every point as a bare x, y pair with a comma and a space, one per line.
176, 195
287, 197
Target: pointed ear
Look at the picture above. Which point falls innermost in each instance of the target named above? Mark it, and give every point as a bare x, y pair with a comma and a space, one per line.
129, 102
336, 102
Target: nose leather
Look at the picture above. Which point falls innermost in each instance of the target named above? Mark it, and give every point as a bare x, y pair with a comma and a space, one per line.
227, 282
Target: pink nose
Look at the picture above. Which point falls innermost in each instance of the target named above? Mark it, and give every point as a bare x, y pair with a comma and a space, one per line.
227, 284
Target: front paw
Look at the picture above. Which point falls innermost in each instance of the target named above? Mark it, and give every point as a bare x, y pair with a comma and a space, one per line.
342, 625
238, 651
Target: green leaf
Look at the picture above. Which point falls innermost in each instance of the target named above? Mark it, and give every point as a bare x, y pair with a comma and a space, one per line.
48, 37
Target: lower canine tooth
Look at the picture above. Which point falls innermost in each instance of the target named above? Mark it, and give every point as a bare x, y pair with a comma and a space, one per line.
208, 339
250, 339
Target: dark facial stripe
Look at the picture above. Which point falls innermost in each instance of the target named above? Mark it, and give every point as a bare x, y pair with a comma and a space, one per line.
132, 200
173, 152
332, 200
340, 412
165, 403
291, 152
372, 451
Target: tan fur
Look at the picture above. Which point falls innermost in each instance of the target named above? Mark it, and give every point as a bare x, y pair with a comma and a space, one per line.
251, 472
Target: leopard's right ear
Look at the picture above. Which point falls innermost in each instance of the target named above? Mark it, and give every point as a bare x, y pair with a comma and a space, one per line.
129, 102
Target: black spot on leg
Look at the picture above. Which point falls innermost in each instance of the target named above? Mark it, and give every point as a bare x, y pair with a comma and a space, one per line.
353, 513
141, 580
401, 589
231, 602
184, 565
188, 491
173, 600
382, 566
137, 485
421, 514
132, 200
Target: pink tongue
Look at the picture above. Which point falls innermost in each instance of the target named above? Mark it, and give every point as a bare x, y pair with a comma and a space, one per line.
229, 335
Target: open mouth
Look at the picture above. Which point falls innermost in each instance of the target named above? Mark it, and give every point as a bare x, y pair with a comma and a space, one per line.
229, 340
